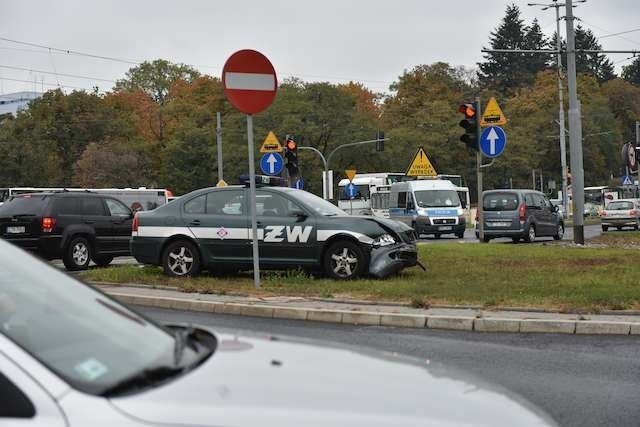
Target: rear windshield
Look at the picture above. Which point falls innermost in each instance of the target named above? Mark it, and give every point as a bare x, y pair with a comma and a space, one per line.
23, 205
619, 206
500, 202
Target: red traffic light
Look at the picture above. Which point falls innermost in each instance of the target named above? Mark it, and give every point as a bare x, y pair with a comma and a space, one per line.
467, 110
291, 145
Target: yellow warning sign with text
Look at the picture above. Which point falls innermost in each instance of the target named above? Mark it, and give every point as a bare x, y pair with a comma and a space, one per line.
271, 144
492, 115
421, 166
351, 173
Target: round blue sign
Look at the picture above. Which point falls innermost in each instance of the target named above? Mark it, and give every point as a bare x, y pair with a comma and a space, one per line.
271, 163
493, 141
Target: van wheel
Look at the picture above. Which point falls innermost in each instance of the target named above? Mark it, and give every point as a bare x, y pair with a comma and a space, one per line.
559, 232
77, 254
530, 235
344, 260
102, 261
181, 258
460, 235
605, 228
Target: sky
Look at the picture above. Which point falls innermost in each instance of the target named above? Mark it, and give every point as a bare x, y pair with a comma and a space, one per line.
369, 41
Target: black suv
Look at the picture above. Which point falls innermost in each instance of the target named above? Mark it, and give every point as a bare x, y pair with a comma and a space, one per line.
77, 227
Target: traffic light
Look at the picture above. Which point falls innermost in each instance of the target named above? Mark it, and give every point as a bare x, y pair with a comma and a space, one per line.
469, 124
379, 143
291, 155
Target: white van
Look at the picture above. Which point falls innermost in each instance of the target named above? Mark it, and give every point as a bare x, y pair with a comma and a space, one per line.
429, 206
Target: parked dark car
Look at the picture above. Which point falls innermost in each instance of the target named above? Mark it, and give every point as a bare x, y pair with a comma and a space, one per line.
76, 227
520, 214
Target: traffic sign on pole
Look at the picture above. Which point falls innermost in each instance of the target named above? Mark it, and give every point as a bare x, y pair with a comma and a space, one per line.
351, 173
420, 165
271, 163
351, 190
626, 180
493, 141
271, 144
493, 115
249, 81
299, 184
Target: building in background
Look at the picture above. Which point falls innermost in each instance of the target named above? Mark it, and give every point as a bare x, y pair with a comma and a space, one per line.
11, 103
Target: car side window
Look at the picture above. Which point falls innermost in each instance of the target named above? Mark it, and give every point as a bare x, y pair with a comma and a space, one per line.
225, 202
15, 404
402, 199
273, 204
196, 205
92, 206
529, 200
67, 206
410, 204
117, 208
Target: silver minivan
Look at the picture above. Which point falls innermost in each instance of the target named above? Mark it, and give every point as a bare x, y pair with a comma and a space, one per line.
520, 214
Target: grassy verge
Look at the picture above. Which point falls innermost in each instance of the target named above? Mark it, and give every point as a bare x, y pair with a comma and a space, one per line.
494, 275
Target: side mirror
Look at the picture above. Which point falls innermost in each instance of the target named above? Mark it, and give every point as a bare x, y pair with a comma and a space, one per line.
298, 214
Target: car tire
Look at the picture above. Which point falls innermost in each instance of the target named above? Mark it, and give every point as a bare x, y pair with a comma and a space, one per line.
77, 254
619, 228
559, 232
460, 235
486, 239
344, 260
102, 260
181, 258
530, 235
637, 225
436, 236
515, 239
605, 228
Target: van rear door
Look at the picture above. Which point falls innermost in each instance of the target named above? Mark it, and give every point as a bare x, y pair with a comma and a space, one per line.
500, 211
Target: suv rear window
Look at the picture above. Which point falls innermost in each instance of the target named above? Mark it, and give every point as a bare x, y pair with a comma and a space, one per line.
500, 202
24, 205
619, 206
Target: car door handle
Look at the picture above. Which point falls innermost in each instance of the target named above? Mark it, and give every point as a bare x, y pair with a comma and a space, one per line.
195, 222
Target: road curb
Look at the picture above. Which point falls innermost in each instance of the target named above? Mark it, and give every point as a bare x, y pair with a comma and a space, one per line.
350, 317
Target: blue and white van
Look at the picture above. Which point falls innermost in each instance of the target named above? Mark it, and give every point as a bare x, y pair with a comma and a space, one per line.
429, 206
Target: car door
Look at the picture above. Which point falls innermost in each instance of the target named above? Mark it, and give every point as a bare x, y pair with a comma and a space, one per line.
121, 218
94, 214
286, 230
24, 401
218, 219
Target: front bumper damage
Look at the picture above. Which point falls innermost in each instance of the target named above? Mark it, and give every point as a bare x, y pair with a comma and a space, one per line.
387, 260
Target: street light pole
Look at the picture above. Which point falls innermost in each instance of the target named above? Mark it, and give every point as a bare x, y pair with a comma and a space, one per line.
326, 160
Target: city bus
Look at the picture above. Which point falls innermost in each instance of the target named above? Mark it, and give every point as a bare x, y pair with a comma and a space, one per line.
364, 182
137, 199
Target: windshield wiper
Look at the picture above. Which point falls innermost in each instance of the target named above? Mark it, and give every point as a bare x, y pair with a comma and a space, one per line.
142, 379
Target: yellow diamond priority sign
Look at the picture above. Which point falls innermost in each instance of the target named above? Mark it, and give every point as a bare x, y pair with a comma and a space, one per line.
492, 115
421, 166
271, 144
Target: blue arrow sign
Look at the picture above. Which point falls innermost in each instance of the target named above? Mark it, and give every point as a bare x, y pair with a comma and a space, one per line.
626, 180
351, 190
271, 163
493, 141
299, 184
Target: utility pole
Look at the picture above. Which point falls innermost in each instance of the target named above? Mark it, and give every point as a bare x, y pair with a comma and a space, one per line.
575, 131
638, 146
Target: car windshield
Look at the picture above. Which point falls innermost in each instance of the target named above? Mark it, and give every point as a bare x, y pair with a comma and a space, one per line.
437, 198
89, 340
317, 204
619, 206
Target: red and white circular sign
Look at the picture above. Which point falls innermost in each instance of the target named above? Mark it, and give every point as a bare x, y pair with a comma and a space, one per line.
249, 81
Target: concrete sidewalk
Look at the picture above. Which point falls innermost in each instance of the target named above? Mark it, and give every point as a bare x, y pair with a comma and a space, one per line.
363, 313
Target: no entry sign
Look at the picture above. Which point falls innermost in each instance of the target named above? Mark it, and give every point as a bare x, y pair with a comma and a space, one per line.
249, 81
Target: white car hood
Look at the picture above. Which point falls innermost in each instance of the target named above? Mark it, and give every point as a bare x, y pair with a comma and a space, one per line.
253, 381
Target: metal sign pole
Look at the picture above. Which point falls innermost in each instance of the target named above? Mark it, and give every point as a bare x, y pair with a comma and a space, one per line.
252, 203
219, 144
479, 173
636, 148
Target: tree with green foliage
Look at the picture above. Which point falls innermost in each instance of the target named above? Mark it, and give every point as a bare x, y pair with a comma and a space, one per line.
156, 78
506, 72
595, 64
631, 72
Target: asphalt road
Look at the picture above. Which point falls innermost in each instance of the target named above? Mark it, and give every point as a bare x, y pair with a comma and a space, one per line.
578, 380
590, 231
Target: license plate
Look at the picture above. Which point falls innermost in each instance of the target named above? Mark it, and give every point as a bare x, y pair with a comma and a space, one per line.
15, 230
498, 224
445, 228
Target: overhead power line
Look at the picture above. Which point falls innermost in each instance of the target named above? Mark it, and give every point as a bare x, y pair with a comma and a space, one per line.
42, 83
617, 34
72, 52
76, 76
